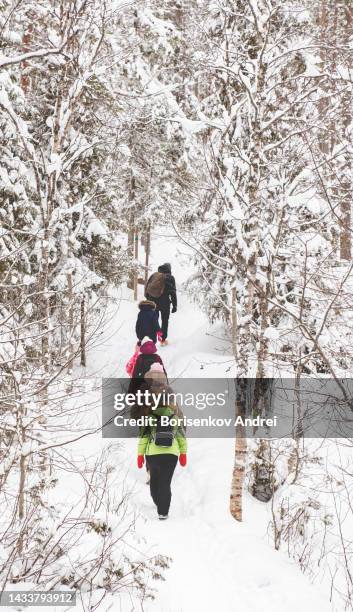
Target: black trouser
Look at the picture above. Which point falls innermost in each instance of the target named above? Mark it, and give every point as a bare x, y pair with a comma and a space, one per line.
161, 469
165, 312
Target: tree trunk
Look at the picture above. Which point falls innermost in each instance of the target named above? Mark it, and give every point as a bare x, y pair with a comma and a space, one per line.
26, 39
21, 488
346, 21
130, 250
70, 320
345, 234
44, 311
251, 227
83, 332
240, 453
234, 323
132, 229
263, 343
136, 255
147, 251
335, 19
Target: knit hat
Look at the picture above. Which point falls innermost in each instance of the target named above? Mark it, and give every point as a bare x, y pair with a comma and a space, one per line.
156, 367
156, 374
147, 347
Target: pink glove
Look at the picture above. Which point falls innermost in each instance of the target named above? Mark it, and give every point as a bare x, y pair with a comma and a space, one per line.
140, 461
160, 335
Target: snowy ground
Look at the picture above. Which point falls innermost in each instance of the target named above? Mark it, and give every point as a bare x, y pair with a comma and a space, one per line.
217, 563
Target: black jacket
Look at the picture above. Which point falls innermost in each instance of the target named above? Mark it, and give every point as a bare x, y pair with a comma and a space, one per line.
142, 365
169, 295
147, 321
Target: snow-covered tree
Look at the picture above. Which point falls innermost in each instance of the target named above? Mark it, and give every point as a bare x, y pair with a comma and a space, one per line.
61, 242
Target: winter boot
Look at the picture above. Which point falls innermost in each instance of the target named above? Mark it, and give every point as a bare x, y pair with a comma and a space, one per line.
162, 517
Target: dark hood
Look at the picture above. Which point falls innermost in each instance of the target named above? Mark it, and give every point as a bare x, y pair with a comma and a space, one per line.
166, 268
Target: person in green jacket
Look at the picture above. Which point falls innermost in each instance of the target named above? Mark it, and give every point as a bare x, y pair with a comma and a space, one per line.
162, 460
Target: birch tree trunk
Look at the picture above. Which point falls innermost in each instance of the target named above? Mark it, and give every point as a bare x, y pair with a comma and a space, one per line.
293, 460
250, 231
250, 228
240, 454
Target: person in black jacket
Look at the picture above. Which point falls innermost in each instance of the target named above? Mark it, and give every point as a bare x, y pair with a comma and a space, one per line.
144, 365
147, 321
166, 299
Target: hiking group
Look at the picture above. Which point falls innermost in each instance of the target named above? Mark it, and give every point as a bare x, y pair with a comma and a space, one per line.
162, 442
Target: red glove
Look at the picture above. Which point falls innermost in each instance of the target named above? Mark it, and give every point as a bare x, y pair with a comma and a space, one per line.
140, 461
182, 459
160, 335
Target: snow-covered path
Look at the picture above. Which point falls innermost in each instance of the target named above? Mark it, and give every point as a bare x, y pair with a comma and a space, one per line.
192, 352
217, 563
